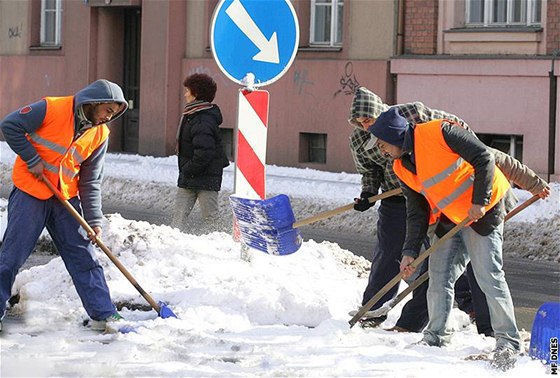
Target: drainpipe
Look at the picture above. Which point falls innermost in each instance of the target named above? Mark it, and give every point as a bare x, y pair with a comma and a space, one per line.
552, 116
399, 50
400, 27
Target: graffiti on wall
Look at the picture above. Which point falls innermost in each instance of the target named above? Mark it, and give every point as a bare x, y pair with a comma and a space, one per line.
348, 81
301, 81
15, 31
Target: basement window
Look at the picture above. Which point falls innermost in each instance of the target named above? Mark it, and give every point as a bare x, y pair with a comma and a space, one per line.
312, 148
227, 142
510, 144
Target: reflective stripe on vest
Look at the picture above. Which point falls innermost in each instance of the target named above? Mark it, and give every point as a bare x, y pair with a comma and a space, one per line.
412, 181
60, 153
443, 177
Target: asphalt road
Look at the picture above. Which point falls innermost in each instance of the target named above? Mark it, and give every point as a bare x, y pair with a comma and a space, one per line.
531, 283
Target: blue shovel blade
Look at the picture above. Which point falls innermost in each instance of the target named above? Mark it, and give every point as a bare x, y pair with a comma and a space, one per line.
165, 312
266, 225
545, 333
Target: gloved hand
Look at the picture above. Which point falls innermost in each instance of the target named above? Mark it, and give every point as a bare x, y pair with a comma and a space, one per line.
362, 203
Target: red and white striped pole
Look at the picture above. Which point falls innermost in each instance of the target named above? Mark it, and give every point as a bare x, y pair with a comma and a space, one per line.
252, 123
249, 179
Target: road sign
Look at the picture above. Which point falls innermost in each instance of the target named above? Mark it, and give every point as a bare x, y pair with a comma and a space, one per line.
254, 36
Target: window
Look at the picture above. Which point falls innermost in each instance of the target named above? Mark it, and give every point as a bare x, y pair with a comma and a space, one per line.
326, 22
503, 12
227, 142
510, 144
313, 148
51, 21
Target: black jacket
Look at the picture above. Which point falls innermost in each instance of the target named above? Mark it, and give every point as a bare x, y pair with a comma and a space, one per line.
201, 154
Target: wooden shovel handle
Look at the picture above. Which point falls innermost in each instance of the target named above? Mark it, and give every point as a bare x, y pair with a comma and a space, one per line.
101, 245
423, 256
525, 204
424, 277
330, 213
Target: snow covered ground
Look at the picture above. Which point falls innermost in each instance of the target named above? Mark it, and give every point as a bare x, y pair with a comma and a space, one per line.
272, 316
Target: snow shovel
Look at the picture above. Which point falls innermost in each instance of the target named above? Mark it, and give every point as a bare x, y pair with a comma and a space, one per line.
161, 308
387, 306
545, 333
269, 225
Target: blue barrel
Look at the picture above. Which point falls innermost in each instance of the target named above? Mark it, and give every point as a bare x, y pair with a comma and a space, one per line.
545, 334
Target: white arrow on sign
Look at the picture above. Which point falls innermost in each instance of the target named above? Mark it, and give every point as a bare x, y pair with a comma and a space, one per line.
268, 48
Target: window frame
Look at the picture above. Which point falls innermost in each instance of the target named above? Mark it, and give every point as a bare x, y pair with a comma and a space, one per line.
57, 27
336, 17
531, 17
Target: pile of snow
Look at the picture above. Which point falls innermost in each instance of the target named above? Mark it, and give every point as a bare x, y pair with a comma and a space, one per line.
272, 316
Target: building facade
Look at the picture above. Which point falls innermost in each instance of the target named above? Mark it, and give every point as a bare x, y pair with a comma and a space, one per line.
492, 62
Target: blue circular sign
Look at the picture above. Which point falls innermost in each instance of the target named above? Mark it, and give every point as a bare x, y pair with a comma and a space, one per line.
258, 37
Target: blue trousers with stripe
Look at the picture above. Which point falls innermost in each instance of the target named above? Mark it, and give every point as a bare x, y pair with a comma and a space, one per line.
27, 217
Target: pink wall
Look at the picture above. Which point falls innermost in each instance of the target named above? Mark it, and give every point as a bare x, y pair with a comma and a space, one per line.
499, 97
313, 96
91, 51
163, 41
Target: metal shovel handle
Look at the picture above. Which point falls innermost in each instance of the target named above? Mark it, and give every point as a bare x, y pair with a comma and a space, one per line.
330, 213
101, 245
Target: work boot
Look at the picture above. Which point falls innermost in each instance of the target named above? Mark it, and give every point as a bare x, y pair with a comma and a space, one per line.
101, 325
503, 358
372, 322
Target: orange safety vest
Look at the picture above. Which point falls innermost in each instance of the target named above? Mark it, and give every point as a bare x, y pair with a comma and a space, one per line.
60, 153
442, 176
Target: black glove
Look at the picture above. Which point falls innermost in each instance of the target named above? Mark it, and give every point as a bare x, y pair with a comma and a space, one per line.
362, 203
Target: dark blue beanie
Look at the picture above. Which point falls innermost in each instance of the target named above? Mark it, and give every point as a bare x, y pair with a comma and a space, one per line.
390, 127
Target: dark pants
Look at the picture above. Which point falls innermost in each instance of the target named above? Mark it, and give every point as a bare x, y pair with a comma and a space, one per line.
391, 231
27, 217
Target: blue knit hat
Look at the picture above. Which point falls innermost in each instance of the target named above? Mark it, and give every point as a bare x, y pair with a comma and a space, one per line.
390, 127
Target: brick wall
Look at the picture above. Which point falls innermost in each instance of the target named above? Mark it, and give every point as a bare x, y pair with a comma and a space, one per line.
552, 26
420, 31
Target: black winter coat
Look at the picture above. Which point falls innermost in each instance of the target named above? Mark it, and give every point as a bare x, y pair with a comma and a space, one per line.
201, 154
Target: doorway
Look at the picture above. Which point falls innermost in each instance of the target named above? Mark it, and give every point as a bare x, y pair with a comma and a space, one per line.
131, 79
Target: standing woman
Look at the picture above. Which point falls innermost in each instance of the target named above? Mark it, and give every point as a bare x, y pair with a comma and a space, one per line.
200, 152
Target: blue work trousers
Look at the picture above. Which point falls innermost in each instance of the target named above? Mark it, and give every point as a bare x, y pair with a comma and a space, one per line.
27, 217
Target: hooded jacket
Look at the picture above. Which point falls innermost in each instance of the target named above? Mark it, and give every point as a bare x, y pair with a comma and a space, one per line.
376, 169
44, 118
201, 153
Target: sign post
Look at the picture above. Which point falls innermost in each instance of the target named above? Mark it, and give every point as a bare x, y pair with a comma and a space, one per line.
254, 42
